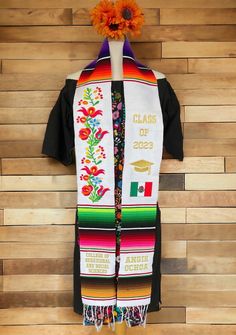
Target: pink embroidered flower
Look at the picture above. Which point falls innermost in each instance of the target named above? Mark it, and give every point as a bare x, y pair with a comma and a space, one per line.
101, 191
93, 170
115, 115
99, 134
119, 106
84, 133
91, 111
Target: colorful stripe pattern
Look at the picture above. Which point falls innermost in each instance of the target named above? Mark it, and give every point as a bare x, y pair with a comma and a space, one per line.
96, 219
99, 70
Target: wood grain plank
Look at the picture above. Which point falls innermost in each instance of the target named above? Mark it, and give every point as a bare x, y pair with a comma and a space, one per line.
37, 283
200, 81
38, 266
36, 250
67, 66
212, 65
81, 16
210, 147
217, 181
199, 282
36, 16
162, 329
211, 215
36, 166
210, 114
47, 233
22, 132
191, 16
70, 51
22, 98
143, 3
198, 49
49, 50
188, 165
38, 183
217, 33
211, 248
1, 217
38, 216
41, 82
211, 315
230, 164
199, 232
38, 315
21, 149
197, 198
36, 299
211, 264
172, 215
206, 96
210, 130
24, 115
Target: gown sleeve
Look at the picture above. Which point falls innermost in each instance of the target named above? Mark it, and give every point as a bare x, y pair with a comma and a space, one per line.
173, 136
58, 140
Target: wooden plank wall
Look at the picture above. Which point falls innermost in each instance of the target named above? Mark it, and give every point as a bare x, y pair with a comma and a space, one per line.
194, 43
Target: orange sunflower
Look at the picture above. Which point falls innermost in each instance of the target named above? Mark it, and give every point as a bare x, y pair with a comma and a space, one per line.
130, 13
115, 20
101, 14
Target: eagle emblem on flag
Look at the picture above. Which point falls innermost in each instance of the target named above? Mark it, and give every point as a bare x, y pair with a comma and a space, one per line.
140, 189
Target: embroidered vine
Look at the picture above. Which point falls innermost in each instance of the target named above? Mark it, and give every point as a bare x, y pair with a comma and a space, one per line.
92, 133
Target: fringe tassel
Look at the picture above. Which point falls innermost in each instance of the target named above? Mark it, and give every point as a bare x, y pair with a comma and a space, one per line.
100, 315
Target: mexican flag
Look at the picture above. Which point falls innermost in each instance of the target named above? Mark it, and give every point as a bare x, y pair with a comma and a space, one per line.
140, 189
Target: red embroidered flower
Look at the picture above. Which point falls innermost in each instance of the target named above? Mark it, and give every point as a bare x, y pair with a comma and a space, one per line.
99, 134
93, 170
91, 111
84, 133
87, 189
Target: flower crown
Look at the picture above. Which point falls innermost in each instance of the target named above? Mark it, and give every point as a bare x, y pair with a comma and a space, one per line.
115, 20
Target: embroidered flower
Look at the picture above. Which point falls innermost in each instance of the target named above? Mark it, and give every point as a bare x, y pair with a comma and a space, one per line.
93, 170
102, 191
115, 20
87, 189
116, 115
92, 133
94, 122
84, 133
91, 111
99, 134
97, 180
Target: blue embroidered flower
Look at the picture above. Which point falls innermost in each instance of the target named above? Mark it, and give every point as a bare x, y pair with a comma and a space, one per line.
96, 180
94, 122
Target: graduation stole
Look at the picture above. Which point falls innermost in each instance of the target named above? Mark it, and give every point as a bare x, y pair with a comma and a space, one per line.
94, 143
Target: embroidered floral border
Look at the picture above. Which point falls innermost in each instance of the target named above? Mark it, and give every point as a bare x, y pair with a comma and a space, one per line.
92, 132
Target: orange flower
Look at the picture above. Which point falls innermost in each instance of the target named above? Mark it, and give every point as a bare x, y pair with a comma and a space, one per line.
115, 20
130, 13
101, 13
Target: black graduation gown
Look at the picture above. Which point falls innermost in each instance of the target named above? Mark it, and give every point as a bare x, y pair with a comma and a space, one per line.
59, 144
